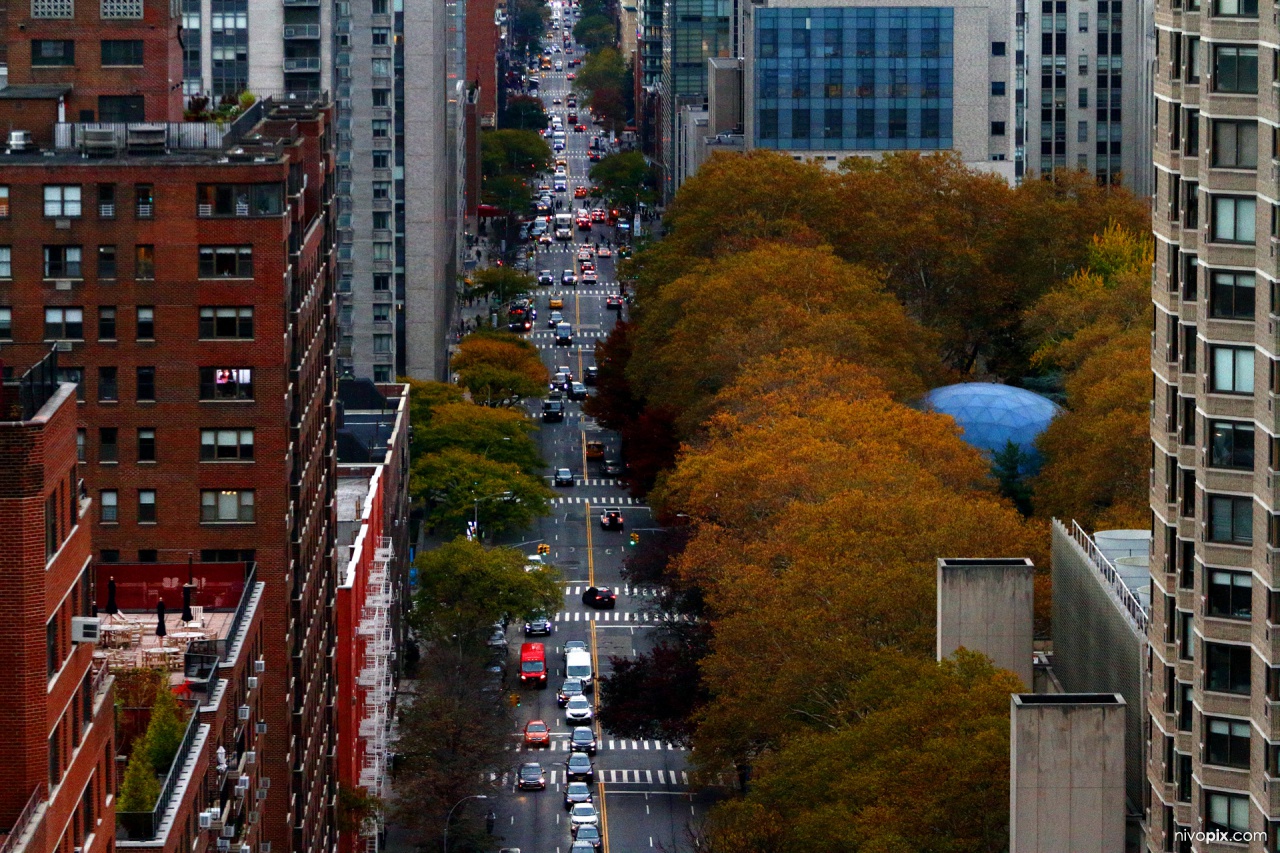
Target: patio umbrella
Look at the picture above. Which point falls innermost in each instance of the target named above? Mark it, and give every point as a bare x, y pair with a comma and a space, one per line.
112, 608
161, 631
188, 591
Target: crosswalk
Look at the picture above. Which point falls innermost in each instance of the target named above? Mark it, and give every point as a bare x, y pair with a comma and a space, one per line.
549, 335
606, 500
666, 778
594, 481
618, 616
625, 591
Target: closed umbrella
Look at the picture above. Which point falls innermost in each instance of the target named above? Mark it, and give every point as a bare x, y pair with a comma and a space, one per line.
161, 631
112, 608
188, 590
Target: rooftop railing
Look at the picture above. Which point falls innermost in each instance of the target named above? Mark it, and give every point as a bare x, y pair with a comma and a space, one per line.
144, 826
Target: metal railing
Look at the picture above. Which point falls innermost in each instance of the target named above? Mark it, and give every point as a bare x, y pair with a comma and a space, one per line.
302, 63
1124, 596
143, 826
242, 610
22, 398
302, 31
21, 825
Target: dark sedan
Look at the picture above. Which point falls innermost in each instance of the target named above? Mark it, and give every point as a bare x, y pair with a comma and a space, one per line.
538, 626
600, 598
531, 777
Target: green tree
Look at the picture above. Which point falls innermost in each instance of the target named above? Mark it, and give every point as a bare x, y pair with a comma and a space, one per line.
601, 81
503, 283
464, 588
451, 482
524, 112
424, 398
140, 788
513, 152
500, 435
594, 32
1011, 467
624, 179
165, 731
528, 23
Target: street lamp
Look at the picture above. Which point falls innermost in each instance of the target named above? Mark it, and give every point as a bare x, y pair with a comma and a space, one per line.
450, 816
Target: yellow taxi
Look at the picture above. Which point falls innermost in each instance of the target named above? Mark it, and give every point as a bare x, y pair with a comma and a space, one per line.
555, 303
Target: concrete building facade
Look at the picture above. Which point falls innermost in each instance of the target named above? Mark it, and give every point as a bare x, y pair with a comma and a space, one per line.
987, 606
1215, 512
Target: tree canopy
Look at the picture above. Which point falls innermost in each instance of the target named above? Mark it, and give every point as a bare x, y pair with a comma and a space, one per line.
497, 367
602, 82
451, 482
513, 152
501, 283
524, 112
624, 179
595, 32
500, 435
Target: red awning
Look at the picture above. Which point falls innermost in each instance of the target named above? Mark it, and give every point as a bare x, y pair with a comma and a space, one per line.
488, 210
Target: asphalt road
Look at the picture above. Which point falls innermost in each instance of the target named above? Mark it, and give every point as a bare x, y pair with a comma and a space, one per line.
642, 787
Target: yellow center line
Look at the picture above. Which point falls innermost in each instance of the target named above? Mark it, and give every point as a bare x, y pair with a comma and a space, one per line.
595, 671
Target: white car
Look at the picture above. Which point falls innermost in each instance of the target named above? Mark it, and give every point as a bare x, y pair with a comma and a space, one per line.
574, 646
578, 710
584, 814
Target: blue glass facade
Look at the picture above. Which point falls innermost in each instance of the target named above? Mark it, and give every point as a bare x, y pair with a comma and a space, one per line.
875, 79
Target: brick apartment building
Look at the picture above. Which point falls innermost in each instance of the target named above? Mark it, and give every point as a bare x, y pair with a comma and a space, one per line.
55, 706
183, 272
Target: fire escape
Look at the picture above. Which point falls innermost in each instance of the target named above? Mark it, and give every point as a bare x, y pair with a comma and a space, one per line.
374, 679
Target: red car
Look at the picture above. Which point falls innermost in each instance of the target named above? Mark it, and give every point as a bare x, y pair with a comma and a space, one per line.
613, 303
537, 733
570, 76
593, 156
581, 128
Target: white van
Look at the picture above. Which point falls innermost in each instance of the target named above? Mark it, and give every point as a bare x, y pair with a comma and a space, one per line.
578, 665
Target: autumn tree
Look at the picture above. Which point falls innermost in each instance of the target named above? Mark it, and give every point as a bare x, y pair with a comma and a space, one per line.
601, 81
696, 332
1095, 326
457, 487
657, 693
499, 435
464, 588
497, 367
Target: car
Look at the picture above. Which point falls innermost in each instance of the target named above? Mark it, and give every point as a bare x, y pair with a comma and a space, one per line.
593, 156
588, 836
604, 252
578, 710
554, 319
555, 302
611, 519
577, 391
545, 239
564, 335
599, 215
584, 814
563, 477
571, 687
578, 768
557, 146
584, 254
568, 278
574, 646
538, 626
568, 374
582, 739
580, 128
590, 277
590, 375
580, 192
613, 303
588, 265
498, 639
611, 467
545, 278
560, 380
531, 777
570, 76
600, 598
552, 411
576, 792
519, 326
533, 562
555, 102
537, 733
560, 172
576, 847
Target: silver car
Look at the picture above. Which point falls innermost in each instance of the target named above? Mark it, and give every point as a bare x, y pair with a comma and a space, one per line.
584, 814
578, 710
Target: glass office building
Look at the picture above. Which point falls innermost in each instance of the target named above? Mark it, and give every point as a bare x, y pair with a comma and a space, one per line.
853, 78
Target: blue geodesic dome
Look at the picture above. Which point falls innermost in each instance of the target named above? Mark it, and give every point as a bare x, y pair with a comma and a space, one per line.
992, 415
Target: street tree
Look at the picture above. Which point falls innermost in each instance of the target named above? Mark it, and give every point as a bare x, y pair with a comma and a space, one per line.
500, 435
524, 112
464, 588
595, 32
456, 487
528, 24
513, 152
602, 83
502, 283
625, 180
497, 367
657, 693
424, 397
614, 405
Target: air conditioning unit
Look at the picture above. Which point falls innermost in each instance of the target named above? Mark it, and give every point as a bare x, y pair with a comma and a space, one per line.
85, 629
264, 847
250, 757
245, 848
262, 793
229, 831
62, 284
206, 820
243, 712
253, 682
251, 817
264, 783
262, 727
260, 665
62, 346
224, 844
243, 782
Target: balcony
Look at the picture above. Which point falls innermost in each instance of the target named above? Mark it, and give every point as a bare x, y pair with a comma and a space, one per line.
147, 826
301, 31
302, 65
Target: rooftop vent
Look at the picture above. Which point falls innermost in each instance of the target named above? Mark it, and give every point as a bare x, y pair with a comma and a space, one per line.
20, 142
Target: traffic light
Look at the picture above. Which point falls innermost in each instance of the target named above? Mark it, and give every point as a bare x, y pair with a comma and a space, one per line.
544, 548
635, 539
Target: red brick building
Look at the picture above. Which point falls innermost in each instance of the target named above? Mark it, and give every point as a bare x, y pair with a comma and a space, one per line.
373, 558
483, 36
184, 274
55, 705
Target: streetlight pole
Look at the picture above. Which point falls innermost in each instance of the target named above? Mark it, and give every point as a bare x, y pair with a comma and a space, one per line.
475, 518
451, 811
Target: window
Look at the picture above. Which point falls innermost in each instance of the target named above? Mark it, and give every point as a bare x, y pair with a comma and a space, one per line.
1230, 594
800, 124
108, 444
144, 263
833, 83
1236, 8
53, 52
121, 52
381, 282
381, 344
381, 190
1082, 131
1233, 219
1235, 69
108, 506
997, 48
146, 323
1232, 370
62, 200
382, 68
108, 385
74, 375
382, 160
768, 124
1231, 519
106, 262
6, 324
381, 312
997, 128
239, 200
1235, 144
146, 444
382, 373
1082, 98
382, 251
1226, 812
1231, 445
62, 262
107, 323
146, 506
226, 383
1227, 668
381, 36
147, 555
109, 555
64, 324
381, 220
1231, 295
226, 506
144, 199
146, 384
997, 88
6, 262
4, 202
382, 97
81, 442
226, 322
380, 7
226, 262
226, 445
121, 108
106, 201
